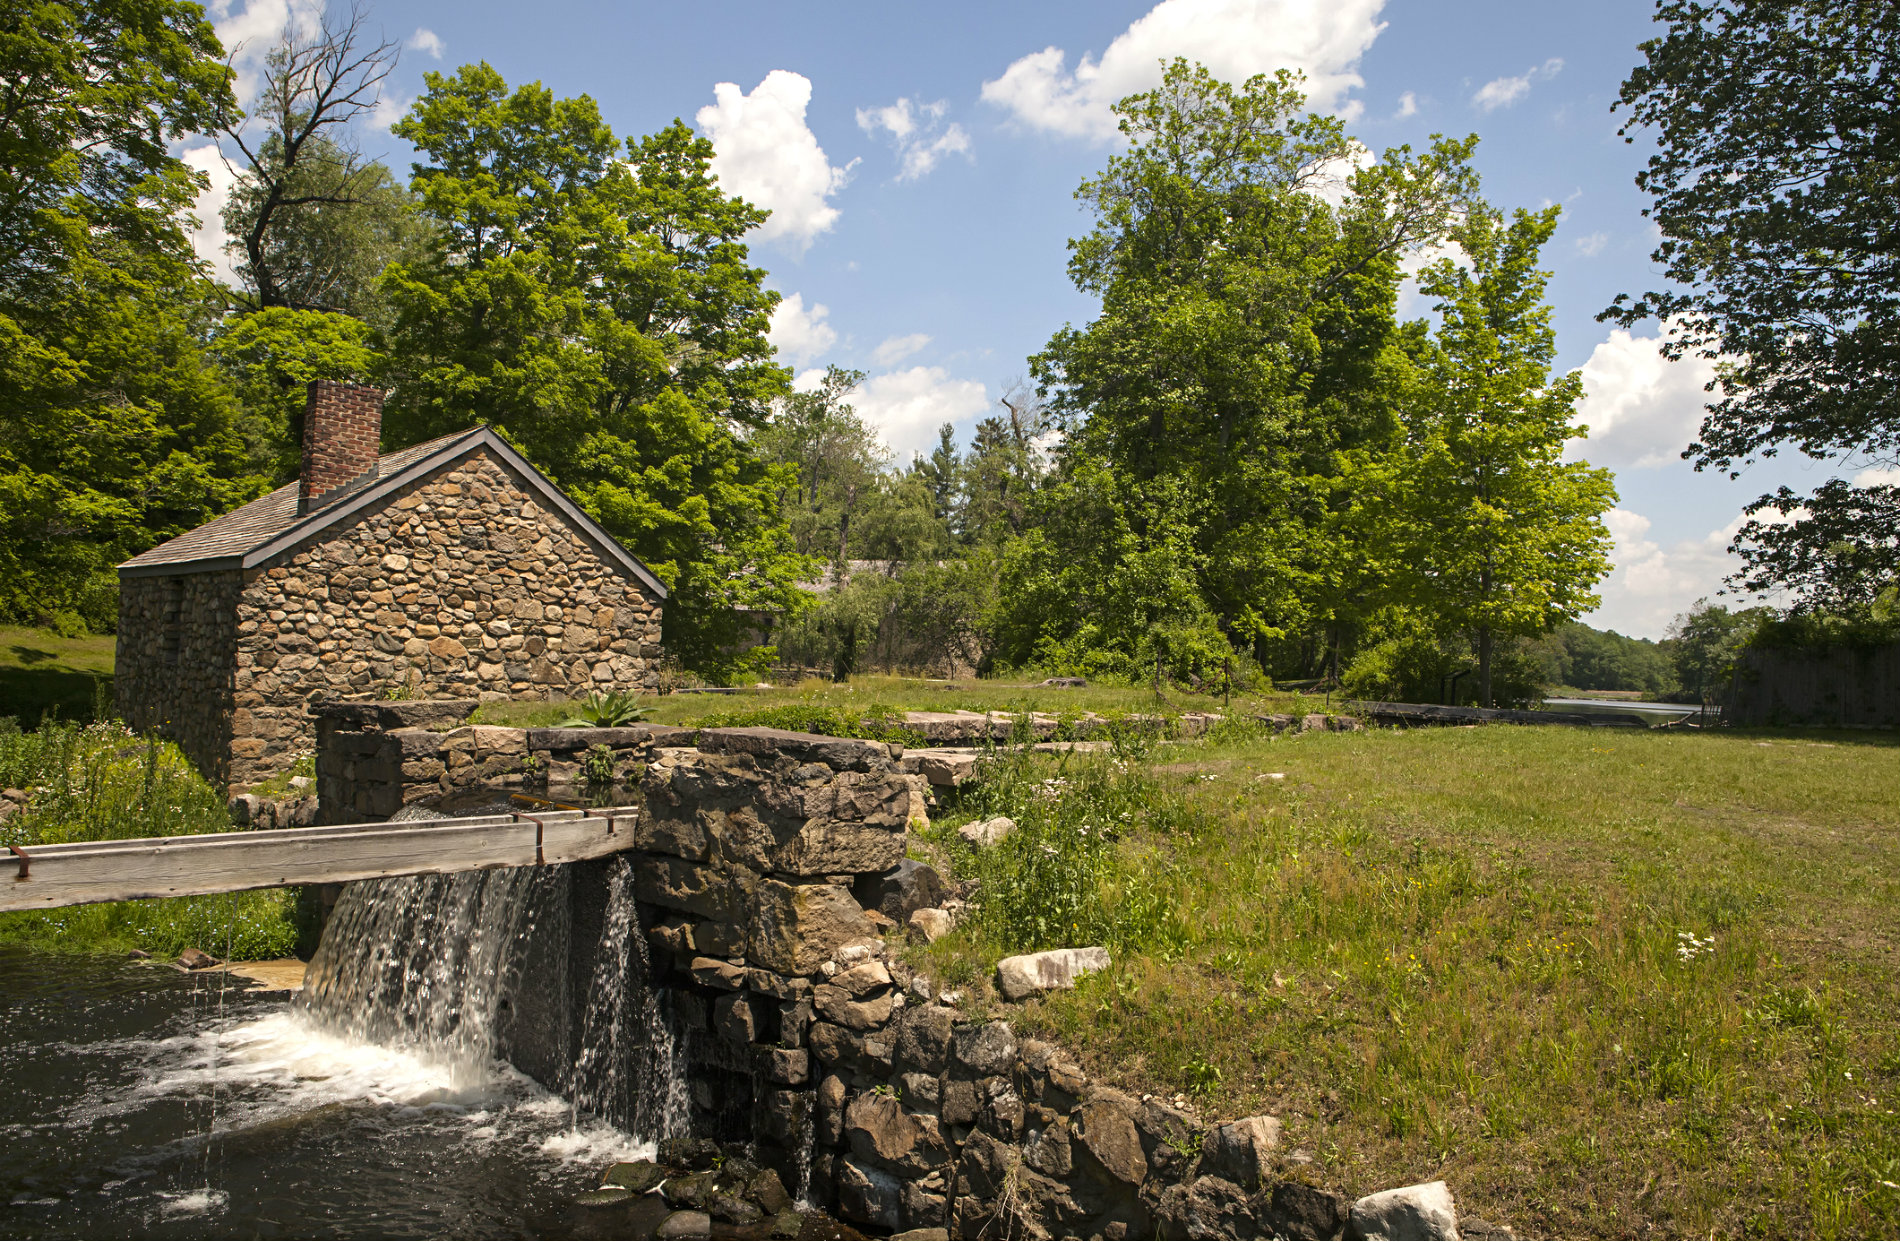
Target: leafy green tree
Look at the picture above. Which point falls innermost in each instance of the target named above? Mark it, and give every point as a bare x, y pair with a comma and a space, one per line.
271, 356
1003, 469
594, 303
1246, 338
837, 464
1500, 536
1773, 187
114, 433
1705, 642
91, 93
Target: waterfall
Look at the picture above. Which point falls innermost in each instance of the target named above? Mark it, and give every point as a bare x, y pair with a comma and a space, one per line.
631, 1067
425, 960
474, 967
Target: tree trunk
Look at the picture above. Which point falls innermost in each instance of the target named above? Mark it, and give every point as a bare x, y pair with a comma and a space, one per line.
1484, 666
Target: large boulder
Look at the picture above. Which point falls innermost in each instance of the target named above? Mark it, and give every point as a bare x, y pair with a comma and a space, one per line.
1033, 973
1422, 1213
878, 1128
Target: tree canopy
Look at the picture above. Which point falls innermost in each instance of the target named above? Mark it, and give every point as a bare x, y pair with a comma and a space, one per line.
594, 303
1774, 184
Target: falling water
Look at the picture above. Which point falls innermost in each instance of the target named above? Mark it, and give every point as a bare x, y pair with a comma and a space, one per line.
631, 1067
433, 963
425, 961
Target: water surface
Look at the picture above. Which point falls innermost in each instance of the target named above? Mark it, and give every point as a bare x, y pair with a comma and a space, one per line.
138, 1101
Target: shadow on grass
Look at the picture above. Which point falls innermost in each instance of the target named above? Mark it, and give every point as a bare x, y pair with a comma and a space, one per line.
29, 694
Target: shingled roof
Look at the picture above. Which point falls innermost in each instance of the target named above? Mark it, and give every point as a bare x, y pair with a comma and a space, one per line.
248, 536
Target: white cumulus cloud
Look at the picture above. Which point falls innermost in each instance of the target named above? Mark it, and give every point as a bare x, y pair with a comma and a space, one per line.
800, 334
1408, 105
1503, 92
1235, 39
1642, 410
426, 41
764, 152
897, 348
1590, 245
1651, 583
907, 407
917, 133
209, 238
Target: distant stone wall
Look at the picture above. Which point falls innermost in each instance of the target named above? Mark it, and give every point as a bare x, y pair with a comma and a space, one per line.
176, 660
463, 586
1841, 687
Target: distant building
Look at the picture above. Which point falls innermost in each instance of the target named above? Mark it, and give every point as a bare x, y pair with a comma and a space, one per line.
450, 569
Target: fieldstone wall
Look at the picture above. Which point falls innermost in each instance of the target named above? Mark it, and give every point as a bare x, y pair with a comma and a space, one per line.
771, 885
176, 659
462, 585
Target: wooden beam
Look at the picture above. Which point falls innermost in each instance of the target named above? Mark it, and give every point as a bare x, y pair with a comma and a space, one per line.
48, 876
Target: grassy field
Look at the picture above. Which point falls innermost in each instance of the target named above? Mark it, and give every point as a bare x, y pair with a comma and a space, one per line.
1605, 983
41, 672
880, 694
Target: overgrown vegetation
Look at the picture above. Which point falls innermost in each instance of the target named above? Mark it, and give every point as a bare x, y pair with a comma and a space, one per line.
1610, 984
102, 782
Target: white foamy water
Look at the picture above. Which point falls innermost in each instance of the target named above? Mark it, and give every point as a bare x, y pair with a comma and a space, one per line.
285, 1064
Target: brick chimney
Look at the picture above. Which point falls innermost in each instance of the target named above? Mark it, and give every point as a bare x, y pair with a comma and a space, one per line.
342, 438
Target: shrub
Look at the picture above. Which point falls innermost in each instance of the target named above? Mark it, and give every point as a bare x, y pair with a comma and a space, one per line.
102, 782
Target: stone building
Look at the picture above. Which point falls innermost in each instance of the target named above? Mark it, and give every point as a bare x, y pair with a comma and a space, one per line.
450, 569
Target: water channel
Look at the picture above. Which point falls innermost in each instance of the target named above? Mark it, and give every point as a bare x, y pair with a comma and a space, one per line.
140, 1101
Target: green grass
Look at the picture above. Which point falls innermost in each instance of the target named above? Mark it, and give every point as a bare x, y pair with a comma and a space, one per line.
40, 672
836, 704
1462, 953
102, 782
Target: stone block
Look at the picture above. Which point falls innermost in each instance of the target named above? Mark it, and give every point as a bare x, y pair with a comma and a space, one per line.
717, 974
1242, 1151
880, 1129
722, 895
924, 1037
837, 753
841, 1007
1107, 1131
733, 1019
793, 929
904, 889
791, 1066
868, 1195
989, 1048
1032, 973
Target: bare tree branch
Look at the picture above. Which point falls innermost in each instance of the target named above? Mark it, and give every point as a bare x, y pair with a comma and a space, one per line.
316, 86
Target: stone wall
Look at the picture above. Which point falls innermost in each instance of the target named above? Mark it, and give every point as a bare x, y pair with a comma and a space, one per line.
176, 661
461, 585
772, 889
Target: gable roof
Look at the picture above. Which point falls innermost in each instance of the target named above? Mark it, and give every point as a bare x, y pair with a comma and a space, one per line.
252, 534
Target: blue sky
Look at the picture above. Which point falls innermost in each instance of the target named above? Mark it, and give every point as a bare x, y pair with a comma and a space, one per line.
921, 163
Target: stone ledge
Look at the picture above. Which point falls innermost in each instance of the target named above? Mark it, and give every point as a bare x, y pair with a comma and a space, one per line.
410, 714
628, 735
840, 753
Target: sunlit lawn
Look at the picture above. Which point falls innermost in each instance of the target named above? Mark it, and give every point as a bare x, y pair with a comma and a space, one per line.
1603, 982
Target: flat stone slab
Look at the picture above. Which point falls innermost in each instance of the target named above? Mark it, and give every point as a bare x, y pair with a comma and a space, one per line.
1049, 971
840, 753
624, 735
411, 714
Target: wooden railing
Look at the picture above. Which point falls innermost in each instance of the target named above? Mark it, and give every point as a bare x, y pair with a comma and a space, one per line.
74, 874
